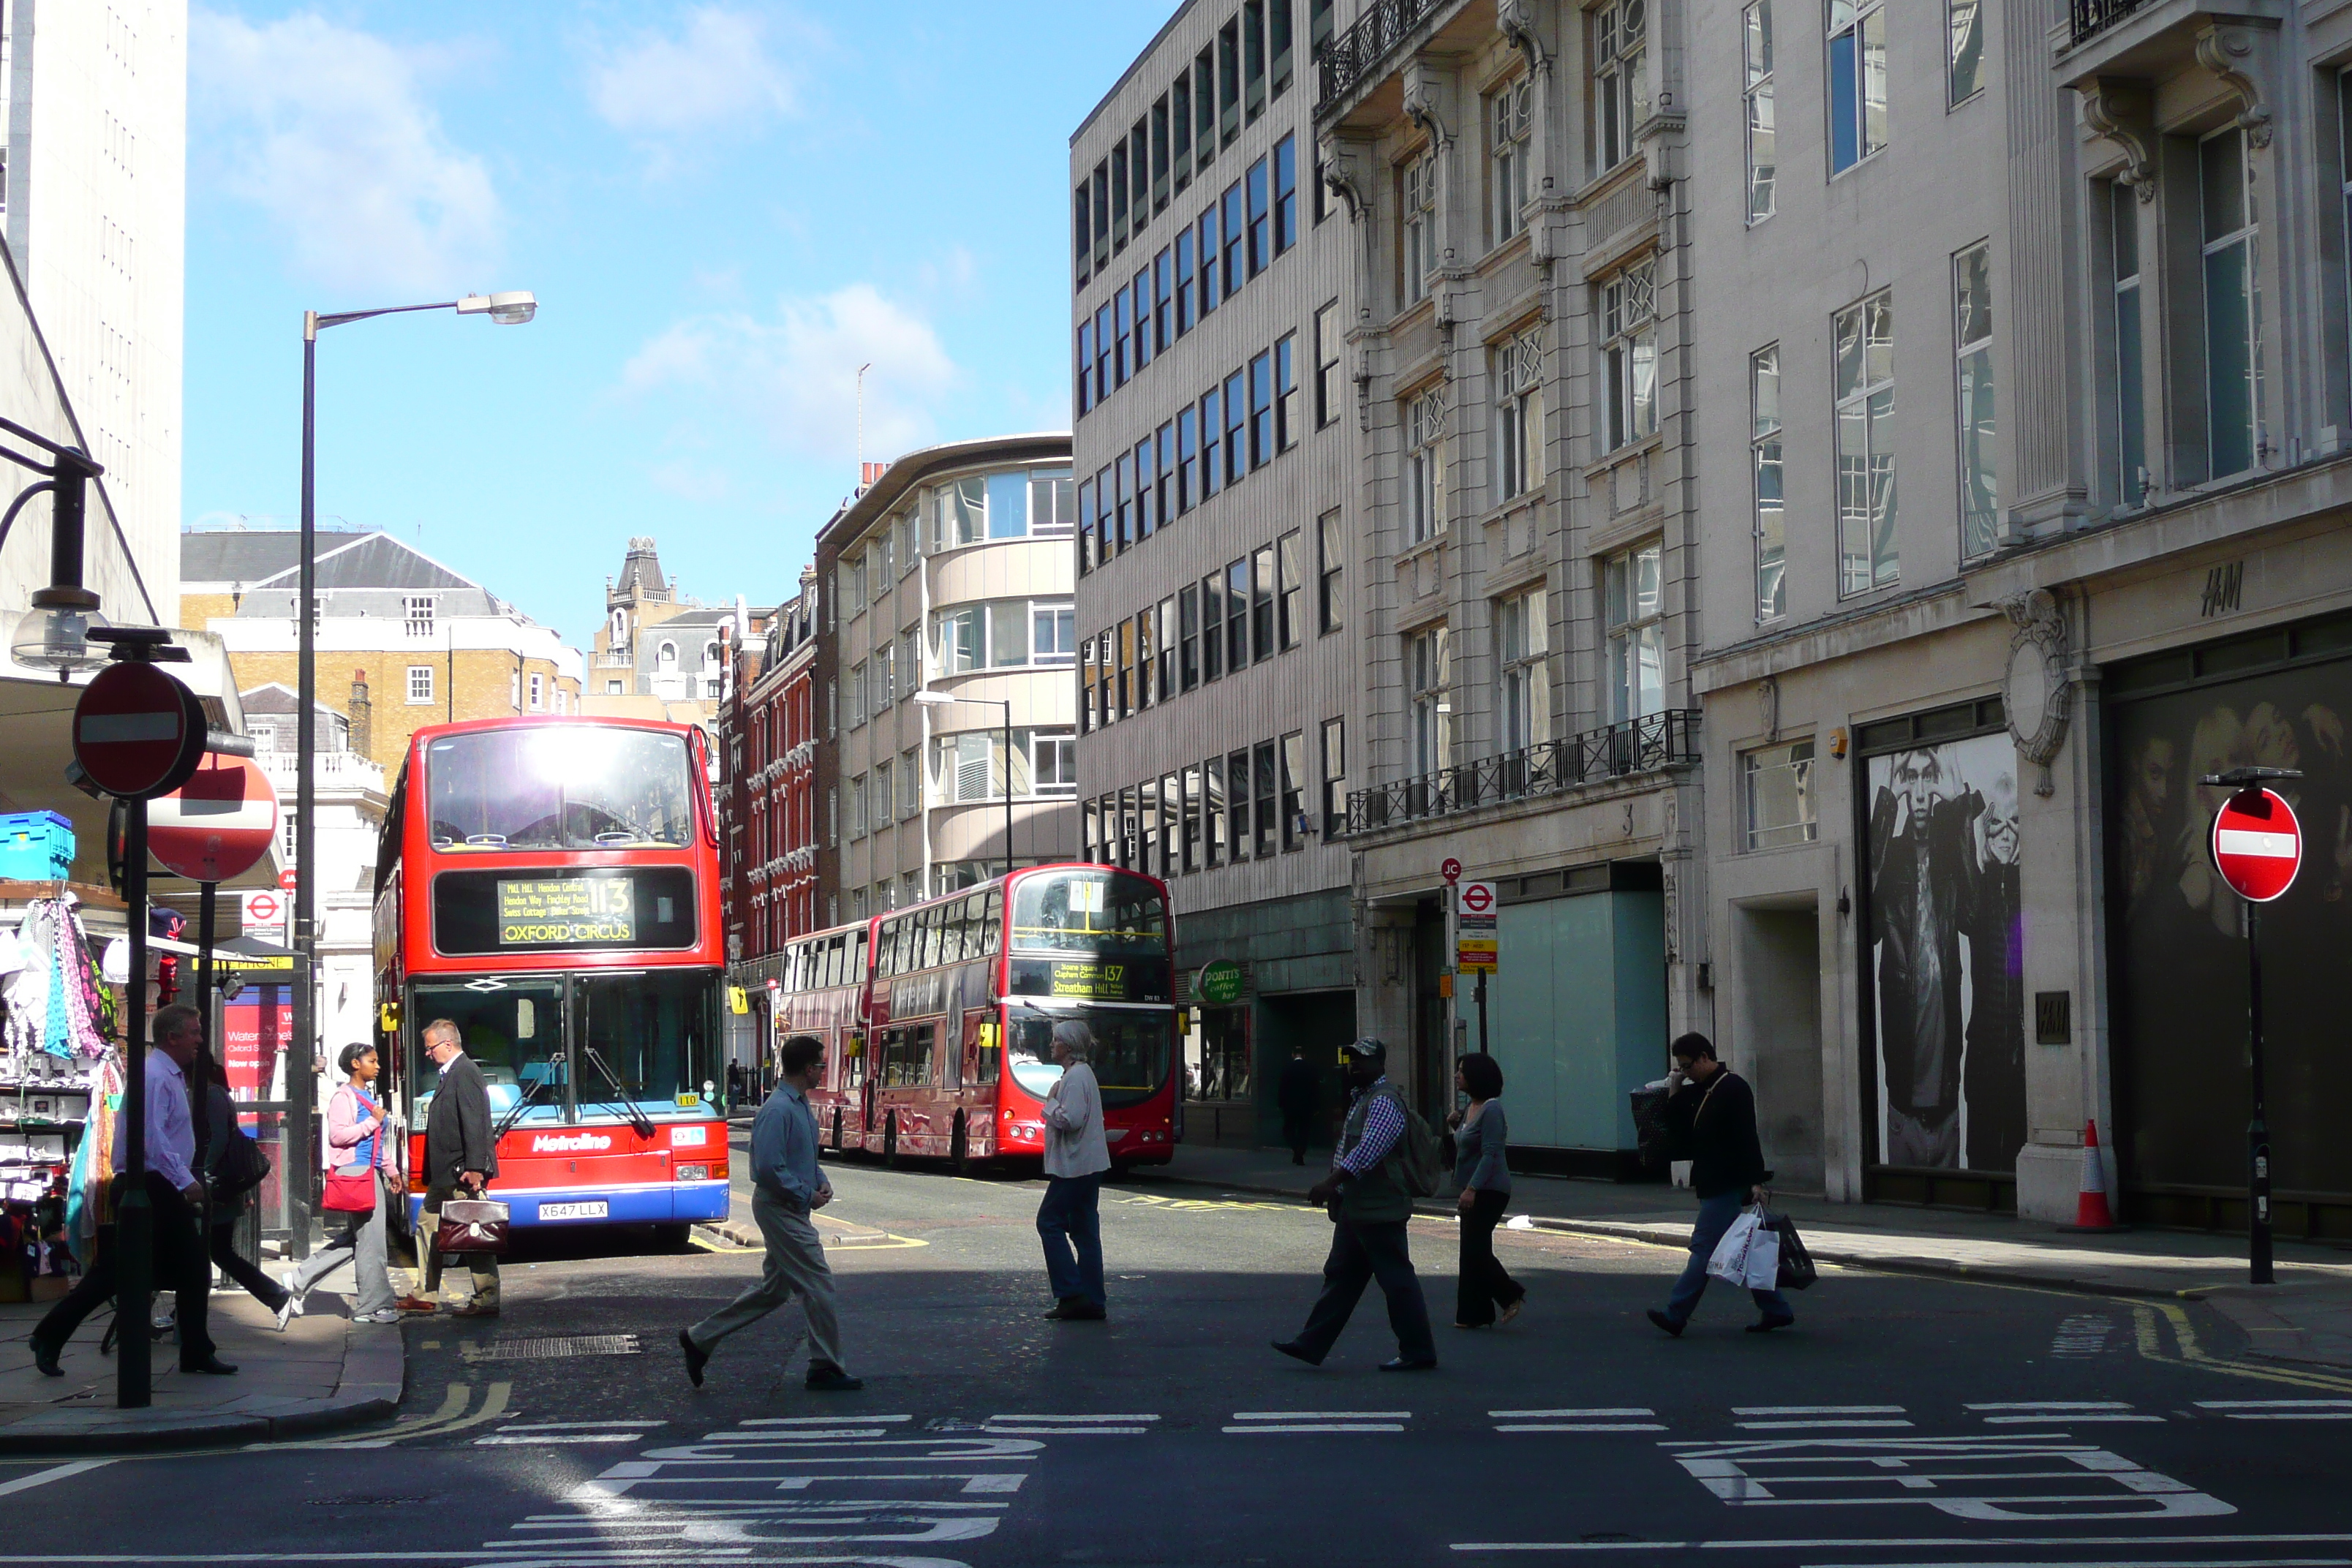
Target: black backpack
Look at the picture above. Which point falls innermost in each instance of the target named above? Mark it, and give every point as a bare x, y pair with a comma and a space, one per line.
240, 1166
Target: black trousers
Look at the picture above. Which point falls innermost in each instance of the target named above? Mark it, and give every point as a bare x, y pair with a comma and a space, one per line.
179, 1266
1295, 1125
1484, 1284
264, 1289
1361, 1253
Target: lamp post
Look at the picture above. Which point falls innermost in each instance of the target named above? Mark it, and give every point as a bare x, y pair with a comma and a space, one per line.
946, 700
509, 308
55, 632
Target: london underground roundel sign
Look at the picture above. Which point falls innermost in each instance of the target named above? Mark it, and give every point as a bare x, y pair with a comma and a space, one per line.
2257, 844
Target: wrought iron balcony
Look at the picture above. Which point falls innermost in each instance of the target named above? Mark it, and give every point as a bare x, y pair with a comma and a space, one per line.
2089, 18
1356, 53
1615, 751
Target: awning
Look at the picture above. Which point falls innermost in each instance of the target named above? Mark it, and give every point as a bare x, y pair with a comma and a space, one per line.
243, 954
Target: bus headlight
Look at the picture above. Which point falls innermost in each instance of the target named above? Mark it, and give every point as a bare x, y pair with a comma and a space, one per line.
694, 1172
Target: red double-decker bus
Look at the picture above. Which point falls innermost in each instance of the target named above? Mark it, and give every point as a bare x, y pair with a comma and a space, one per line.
822, 992
551, 886
951, 1058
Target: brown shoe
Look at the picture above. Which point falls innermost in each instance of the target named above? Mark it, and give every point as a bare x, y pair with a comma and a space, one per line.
476, 1310
416, 1304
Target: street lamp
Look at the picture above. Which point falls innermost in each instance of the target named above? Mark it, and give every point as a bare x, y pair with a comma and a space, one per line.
946, 700
508, 308
55, 632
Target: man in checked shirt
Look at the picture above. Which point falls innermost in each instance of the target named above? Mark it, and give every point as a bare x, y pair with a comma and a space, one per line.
1369, 1220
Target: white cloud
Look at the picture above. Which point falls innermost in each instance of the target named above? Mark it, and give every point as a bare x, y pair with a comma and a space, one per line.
718, 72
797, 374
326, 129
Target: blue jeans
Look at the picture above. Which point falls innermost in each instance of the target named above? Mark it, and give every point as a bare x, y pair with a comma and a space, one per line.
1068, 1219
1715, 1217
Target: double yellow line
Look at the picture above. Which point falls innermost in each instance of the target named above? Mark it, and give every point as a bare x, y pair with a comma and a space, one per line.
2151, 1319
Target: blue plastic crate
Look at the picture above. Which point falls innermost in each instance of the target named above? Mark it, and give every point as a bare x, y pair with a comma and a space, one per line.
35, 846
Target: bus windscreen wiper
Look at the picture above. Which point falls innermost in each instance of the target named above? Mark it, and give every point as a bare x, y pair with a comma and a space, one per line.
529, 1097
638, 1119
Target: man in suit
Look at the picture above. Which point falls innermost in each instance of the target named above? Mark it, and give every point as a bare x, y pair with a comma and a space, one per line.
460, 1152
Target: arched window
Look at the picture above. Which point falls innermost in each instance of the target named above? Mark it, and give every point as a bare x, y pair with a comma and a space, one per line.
667, 658
710, 656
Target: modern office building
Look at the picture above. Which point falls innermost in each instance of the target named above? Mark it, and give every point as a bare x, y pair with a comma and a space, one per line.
946, 630
1218, 435
93, 186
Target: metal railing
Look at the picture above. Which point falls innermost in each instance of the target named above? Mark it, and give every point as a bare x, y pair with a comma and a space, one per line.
1615, 751
2089, 18
1354, 54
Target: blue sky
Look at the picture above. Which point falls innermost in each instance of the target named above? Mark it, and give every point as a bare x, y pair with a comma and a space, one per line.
724, 209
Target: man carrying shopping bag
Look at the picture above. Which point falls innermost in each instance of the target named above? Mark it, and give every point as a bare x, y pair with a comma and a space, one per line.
1712, 1114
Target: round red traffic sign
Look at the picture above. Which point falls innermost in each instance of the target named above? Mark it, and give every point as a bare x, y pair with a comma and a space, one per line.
1451, 870
138, 731
2257, 844
1478, 899
216, 825
288, 878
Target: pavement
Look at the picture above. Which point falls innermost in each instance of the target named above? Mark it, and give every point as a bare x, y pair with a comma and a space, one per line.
2305, 1317
324, 1373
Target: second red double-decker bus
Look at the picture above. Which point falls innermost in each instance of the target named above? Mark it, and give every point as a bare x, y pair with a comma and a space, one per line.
954, 1055
551, 886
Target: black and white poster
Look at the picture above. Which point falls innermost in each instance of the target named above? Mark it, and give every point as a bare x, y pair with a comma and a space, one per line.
1947, 949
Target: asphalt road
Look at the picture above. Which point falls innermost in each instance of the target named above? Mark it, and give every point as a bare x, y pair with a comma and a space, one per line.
1903, 1421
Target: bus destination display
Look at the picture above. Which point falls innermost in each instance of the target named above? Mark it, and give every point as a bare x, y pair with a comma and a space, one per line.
1137, 979
567, 912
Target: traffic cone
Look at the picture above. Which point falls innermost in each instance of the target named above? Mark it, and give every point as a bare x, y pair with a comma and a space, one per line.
2091, 1210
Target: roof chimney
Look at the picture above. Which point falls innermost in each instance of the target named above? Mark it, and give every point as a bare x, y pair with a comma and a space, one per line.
363, 716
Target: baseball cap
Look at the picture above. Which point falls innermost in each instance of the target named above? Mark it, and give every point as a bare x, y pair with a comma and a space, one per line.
1366, 1047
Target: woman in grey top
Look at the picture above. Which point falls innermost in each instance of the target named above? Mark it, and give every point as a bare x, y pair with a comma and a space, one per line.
1479, 1136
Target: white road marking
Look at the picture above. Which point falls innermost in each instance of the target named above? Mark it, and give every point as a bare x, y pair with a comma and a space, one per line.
53, 1473
1321, 1427
1581, 1426
1322, 1414
1020, 1418
2051, 1405
2090, 1482
1817, 1410
1593, 1414
1915, 1543
2063, 1420
2280, 1409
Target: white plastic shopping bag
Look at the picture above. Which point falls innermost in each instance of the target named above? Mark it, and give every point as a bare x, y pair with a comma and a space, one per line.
1729, 1263
1763, 1257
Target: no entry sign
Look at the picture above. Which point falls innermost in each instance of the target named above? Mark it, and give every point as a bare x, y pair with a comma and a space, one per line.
138, 733
216, 825
2257, 844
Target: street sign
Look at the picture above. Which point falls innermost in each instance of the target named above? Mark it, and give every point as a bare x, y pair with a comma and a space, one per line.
1475, 945
1451, 870
2257, 844
216, 825
138, 731
264, 909
288, 878
1219, 984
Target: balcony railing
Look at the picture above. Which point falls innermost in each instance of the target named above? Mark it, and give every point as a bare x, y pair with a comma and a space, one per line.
345, 769
1615, 750
1356, 53
2092, 17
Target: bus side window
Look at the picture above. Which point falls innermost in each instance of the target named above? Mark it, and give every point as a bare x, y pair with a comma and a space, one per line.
992, 917
919, 1054
979, 1048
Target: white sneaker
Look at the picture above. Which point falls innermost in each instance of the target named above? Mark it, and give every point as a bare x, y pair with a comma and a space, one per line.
292, 1307
389, 1315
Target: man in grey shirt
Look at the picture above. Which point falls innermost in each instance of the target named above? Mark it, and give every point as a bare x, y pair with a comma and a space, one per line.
787, 1188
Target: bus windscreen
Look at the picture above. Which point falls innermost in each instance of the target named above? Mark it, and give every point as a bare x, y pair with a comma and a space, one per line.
559, 787
1094, 912
1130, 1059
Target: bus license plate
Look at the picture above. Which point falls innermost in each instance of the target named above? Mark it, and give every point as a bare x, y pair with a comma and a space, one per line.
573, 1211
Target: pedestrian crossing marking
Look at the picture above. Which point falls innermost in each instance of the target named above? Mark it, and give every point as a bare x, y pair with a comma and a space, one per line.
1320, 1420
2280, 1409
1607, 1418
1990, 1478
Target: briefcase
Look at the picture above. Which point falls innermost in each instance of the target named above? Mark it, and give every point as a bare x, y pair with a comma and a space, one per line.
472, 1225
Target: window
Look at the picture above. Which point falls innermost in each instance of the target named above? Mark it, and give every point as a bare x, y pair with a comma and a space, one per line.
420, 683
1261, 410
1285, 393
1428, 667
910, 782
2232, 304
856, 695
1417, 213
1425, 464
1146, 490
1254, 56
1188, 636
1125, 534
1293, 763
416, 615
881, 796
1188, 457
1335, 777
1329, 547
1214, 814
1262, 597
1236, 430
1212, 620
1139, 169
1102, 355
1863, 338
1261, 219
1266, 816
1053, 503
965, 766
1082, 228
1858, 82
1159, 154
1165, 638
1286, 182
1290, 592
537, 693
1972, 345
1764, 461
1630, 353
885, 676
1634, 596
960, 508
1507, 126
1237, 610
1763, 146
1237, 819
1277, 43
1053, 634
1140, 292
1523, 698
1180, 120
1236, 234
857, 806
1518, 415
1052, 763
1776, 785
2131, 392
1620, 98
1212, 447
1209, 253
1189, 857
1120, 303
1183, 269
1964, 34
1164, 300
666, 659
1326, 355
1008, 634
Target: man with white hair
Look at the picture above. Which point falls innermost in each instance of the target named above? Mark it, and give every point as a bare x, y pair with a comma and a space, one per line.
1075, 1158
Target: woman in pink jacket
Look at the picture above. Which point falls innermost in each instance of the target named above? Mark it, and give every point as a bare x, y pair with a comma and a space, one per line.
357, 1144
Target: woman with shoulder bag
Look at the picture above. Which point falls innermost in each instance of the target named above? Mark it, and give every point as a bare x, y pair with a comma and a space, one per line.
360, 1164
1480, 1134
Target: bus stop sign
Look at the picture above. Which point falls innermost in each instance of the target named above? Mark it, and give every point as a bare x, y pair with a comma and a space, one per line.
2257, 844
